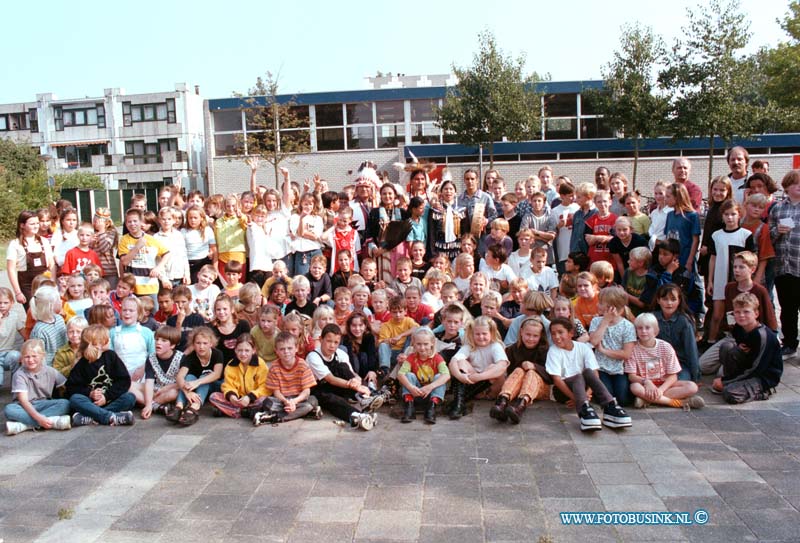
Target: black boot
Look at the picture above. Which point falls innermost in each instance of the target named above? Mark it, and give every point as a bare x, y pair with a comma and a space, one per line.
498, 410
410, 412
456, 410
516, 409
430, 412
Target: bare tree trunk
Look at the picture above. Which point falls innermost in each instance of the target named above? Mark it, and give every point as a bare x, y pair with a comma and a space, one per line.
635, 160
710, 160
491, 155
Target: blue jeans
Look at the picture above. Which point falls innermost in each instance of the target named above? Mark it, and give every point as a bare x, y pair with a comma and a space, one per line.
9, 360
301, 262
85, 406
202, 391
437, 392
617, 385
47, 408
387, 357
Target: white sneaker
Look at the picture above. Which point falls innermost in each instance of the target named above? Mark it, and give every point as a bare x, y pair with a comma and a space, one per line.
367, 421
14, 428
371, 403
61, 423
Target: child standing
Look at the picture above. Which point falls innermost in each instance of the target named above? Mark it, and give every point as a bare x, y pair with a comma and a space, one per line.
423, 375
683, 224
653, 369
528, 380
142, 255
520, 260
320, 281
343, 237
658, 215
290, 381
104, 243
624, 241
204, 292
573, 368
199, 240
81, 255
613, 337
306, 232
229, 231
233, 271
161, 387
481, 363
564, 213
98, 385
542, 278
244, 389
598, 228
133, 343
640, 223
32, 386
176, 272
464, 269
404, 278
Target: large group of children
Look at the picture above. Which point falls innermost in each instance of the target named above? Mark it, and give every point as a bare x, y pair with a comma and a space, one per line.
276, 305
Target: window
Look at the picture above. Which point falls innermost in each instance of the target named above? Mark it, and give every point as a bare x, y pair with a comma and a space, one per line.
391, 135
228, 145
168, 145
561, 105
162, 111
425, 133
80, 117
33, 118
58, 117
423, 110
143, 153
361, 137
359, 113
3, 122
561, 129
80, 157
595, 127
330, 139
329, 115
389, 112
227, 120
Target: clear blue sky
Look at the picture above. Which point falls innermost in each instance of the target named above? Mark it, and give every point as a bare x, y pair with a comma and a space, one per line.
78, 48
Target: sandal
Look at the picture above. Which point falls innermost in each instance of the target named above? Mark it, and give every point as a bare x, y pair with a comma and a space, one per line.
189, 416
173, 413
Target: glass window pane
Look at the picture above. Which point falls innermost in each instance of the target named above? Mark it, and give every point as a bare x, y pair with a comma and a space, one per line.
561, 105
425, 133
595, 128
298, 140
359, 113
258, 118
389, 112
360, 138
136, 113
423, 110
91, 116
126, 107
80, 117
301, 116
390, 135
227, 144
138, 148
227, 120
3, 123
128, 147
161, 112
149, 113
561, 129
69, 118
330, 139
329, 115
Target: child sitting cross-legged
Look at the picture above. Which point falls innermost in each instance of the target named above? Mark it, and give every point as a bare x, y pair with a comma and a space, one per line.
198, 371
573, 368
161, 369
98, 385
528, 380
290, 381
423, 374
245, 387
32, 386
653, 370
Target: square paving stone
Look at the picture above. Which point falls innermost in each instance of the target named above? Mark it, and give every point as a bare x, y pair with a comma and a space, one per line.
354, 486
388, 525
565, 486
630, 498
686, 484
216, 506
305, 532
616, 473
451, 511
450, 534
772, 523
146, 518
330, 510
749, 496
512, 526
504, 474
395, 475
786, 483
444, 486
719, 513
510, 498
394, 498
727, 472
275, 522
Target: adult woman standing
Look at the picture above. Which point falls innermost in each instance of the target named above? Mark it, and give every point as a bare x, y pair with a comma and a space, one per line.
379, 218
446, 223
28, 255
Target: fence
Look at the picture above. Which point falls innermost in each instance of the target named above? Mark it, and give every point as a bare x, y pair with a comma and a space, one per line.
87, 200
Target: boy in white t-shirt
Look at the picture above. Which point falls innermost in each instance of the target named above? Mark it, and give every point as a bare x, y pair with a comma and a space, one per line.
574, 367
564, 212
542, 278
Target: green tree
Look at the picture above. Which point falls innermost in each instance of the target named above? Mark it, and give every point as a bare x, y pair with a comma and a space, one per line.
270, 123
492, 100
629, 101
706, 77
78, 180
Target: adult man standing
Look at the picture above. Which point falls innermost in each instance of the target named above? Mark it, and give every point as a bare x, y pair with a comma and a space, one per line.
601, 178
681, 169
361, 205
738, 158
473, 196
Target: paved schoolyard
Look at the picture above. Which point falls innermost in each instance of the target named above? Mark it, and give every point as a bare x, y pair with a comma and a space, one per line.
465, 481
